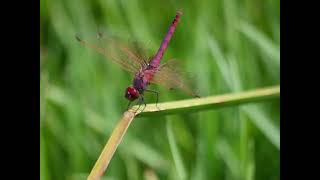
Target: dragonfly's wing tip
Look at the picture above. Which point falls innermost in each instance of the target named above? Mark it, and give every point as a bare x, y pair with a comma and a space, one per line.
100, 34
78, 37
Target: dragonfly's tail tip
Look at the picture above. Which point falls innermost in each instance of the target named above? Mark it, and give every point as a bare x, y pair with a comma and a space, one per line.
179, 13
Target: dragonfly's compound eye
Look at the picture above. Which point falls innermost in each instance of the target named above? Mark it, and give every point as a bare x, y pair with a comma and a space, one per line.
131, 94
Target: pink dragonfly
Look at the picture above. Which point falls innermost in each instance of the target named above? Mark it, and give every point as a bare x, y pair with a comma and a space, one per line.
145, 70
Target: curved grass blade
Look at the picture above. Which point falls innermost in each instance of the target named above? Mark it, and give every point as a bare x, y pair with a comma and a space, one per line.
263, 42
111, 146
206, 103
196, 104
175, 152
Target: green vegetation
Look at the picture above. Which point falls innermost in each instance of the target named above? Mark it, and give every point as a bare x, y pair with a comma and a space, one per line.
229, 46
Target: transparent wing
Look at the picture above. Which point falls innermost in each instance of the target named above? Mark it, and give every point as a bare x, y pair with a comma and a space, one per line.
118, 52
171, 76
142, 50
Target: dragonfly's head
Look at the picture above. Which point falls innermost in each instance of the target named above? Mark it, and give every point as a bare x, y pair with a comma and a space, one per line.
131, 93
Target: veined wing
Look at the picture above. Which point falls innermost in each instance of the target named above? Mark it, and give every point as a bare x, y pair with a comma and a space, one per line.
170, 76
116, 51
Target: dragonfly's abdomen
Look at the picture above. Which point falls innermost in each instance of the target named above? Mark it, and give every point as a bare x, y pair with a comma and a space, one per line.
157, 58
145, 75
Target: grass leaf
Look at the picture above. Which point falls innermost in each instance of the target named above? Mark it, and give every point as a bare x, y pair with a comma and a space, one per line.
210, 102
175, 152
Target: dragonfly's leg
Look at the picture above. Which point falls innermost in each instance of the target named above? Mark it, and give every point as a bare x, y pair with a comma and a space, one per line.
129, 105
157, 94
145, 105
130, 102
139, 102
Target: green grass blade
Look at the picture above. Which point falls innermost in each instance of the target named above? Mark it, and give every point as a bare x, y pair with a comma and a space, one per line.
265, 44
146, 154
220, 60
175, 152
264, 124
229, 157
210, 102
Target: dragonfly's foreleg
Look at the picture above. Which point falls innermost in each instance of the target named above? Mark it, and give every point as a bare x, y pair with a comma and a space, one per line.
157, 95
129, 105
140, 101
130, 102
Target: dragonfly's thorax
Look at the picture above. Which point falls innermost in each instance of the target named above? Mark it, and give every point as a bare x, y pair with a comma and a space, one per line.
139, 85
150, 67
142, 78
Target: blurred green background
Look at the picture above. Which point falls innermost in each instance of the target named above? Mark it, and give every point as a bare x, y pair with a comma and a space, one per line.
228, 45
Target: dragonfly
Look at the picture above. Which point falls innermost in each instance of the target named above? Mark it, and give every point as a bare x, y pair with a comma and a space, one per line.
146, 70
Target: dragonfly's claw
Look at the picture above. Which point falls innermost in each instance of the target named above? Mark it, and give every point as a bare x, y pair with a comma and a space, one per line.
158, 107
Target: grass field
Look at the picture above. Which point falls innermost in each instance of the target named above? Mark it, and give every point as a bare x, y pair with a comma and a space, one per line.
228, 46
